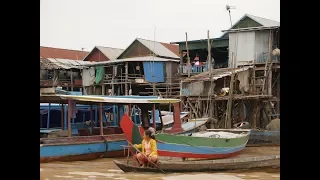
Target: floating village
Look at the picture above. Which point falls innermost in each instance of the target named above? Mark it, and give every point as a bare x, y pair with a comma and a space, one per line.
207, 100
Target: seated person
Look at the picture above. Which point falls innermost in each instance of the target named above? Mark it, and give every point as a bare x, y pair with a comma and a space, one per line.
148, 148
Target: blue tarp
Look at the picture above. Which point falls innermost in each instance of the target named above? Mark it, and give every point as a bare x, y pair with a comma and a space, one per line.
153, 71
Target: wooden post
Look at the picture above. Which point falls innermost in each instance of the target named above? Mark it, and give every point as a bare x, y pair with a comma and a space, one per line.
154, 89
161, 124
91, 118
69, 117
278, 95
129, 110
55, 78
254, 109
230, 100
126, 79
100, 120
103, 88
71, 76
112, 80
48, 118
62, 116
188, 57
154, 115
209, 57
270, 81
181, 62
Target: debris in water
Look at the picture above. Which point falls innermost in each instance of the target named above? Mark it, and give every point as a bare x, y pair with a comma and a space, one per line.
115, 170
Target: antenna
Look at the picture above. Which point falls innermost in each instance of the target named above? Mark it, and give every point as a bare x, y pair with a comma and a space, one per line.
228, 7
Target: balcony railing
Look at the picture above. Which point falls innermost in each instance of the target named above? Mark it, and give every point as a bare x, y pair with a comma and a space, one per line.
194, 69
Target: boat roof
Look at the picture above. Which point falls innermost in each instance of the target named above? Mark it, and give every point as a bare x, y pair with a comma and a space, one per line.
89, 99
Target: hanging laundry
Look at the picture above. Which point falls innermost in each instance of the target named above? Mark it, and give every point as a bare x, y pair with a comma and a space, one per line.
99, 74
88, 76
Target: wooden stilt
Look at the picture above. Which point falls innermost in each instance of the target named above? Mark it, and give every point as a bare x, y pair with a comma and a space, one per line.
100, 120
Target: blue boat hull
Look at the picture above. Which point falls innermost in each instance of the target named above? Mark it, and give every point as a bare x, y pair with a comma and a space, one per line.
81, 148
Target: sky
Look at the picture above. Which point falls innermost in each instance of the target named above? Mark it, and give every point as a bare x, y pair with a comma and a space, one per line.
77, 24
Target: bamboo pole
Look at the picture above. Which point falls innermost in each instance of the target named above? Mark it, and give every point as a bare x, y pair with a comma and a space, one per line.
188, 57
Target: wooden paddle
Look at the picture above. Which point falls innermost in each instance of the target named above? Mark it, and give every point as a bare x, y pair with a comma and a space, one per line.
145, 156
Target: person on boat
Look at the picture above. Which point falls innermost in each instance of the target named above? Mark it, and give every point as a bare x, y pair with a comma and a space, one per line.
149, 152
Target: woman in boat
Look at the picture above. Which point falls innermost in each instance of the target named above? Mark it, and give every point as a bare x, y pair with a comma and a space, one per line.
148, 148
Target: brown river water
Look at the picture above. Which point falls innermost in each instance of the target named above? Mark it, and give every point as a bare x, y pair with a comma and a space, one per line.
104, 168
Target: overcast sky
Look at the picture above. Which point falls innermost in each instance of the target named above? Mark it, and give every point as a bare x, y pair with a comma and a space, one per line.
76, 24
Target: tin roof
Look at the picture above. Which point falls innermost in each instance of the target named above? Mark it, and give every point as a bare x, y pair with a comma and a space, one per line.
216, 74
57, 63
135, 59
111, 53
158, 48
49, 52
263, 21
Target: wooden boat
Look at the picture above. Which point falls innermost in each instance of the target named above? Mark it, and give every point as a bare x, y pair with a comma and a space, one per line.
264, 137
208, 165
92, 142
183, 146
81, 147
256, 137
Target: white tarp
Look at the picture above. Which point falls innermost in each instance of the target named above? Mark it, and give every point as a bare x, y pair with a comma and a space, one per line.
88, 76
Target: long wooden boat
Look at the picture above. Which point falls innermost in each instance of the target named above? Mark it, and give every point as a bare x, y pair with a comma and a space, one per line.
208, 165
183, 146
93, 142
81, 147
264, 138
256, 137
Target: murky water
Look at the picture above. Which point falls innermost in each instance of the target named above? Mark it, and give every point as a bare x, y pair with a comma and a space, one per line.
106, 169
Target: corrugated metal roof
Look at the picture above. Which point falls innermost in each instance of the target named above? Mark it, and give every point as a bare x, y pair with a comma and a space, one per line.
251, 29
134, 59
49, 52
263, 21
111, 53
57, 63
172, 47
158, 48
216, 74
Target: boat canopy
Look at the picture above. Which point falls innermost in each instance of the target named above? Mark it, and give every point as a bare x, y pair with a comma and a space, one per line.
59, 98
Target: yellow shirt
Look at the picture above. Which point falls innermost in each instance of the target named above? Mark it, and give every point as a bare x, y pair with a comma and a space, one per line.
153, 147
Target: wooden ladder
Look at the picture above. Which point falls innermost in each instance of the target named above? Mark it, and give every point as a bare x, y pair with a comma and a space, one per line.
268, 65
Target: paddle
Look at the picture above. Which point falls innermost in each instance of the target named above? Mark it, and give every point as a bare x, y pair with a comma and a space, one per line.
146, 157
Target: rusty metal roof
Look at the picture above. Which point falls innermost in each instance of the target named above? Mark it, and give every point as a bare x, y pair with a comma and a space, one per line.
49, 52
57, 63
216, 74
